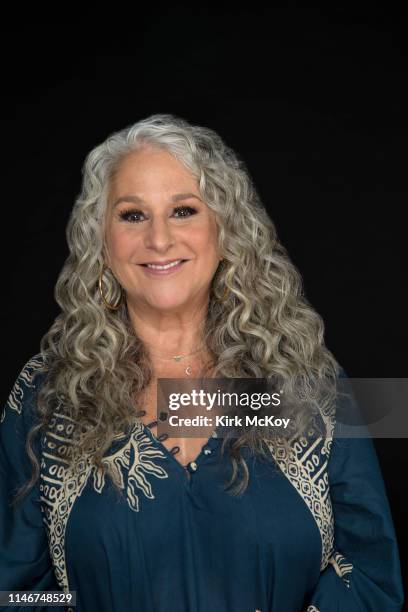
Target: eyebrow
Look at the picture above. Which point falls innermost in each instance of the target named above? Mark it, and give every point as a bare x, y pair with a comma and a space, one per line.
136, 200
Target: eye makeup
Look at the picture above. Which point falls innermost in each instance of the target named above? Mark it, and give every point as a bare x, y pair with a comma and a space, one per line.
130, 214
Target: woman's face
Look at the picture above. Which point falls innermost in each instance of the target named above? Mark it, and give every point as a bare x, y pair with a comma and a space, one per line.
156, 215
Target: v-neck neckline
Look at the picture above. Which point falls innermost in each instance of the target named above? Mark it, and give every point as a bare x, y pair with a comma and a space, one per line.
209, 444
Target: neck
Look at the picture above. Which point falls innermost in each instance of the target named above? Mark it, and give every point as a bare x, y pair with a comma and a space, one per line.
168, 334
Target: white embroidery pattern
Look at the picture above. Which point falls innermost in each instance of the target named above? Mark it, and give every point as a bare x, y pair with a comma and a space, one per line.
60, 487
307, 472
23, 383
342, 567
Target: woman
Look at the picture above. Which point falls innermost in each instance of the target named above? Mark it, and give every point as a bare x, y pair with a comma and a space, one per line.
176, 271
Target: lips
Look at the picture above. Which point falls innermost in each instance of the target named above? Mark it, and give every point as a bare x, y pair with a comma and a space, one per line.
164, 268
162, 263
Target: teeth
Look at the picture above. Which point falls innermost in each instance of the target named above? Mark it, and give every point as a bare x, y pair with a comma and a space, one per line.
170, 265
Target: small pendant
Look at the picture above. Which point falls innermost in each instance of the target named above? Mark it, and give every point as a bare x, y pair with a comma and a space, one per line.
188, 370
178, 357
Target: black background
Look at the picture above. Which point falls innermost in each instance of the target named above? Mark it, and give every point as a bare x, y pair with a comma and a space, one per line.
312, 97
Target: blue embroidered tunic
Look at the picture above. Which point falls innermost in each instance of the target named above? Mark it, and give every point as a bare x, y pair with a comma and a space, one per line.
311, 534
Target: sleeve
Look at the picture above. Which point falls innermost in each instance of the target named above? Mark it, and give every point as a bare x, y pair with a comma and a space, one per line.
25, 563
364, 571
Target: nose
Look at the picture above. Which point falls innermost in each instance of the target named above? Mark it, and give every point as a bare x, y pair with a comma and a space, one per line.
159, 236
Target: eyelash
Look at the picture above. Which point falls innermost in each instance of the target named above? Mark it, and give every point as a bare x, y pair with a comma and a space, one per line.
124, 214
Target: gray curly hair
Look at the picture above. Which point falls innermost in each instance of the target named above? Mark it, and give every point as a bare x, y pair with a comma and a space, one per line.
265, 328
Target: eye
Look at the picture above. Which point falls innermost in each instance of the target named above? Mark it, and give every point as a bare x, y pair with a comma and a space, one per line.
136, 216
131, 215
187, 211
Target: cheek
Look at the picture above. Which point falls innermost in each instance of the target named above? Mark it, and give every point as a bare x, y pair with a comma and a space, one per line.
120, 243
204, 239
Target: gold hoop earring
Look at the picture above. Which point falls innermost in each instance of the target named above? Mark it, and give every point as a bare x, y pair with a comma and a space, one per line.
107, 304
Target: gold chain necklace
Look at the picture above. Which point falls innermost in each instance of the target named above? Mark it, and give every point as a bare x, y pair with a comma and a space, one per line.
177, 358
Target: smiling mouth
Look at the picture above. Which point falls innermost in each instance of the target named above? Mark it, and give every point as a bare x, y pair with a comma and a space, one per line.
168, 266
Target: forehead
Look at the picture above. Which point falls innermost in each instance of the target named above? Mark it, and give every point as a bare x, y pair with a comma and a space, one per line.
150, 168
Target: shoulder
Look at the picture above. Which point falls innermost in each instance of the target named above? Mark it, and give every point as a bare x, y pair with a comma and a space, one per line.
24, 391
17, 418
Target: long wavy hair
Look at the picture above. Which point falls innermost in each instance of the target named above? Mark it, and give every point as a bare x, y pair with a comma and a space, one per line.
264, 328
